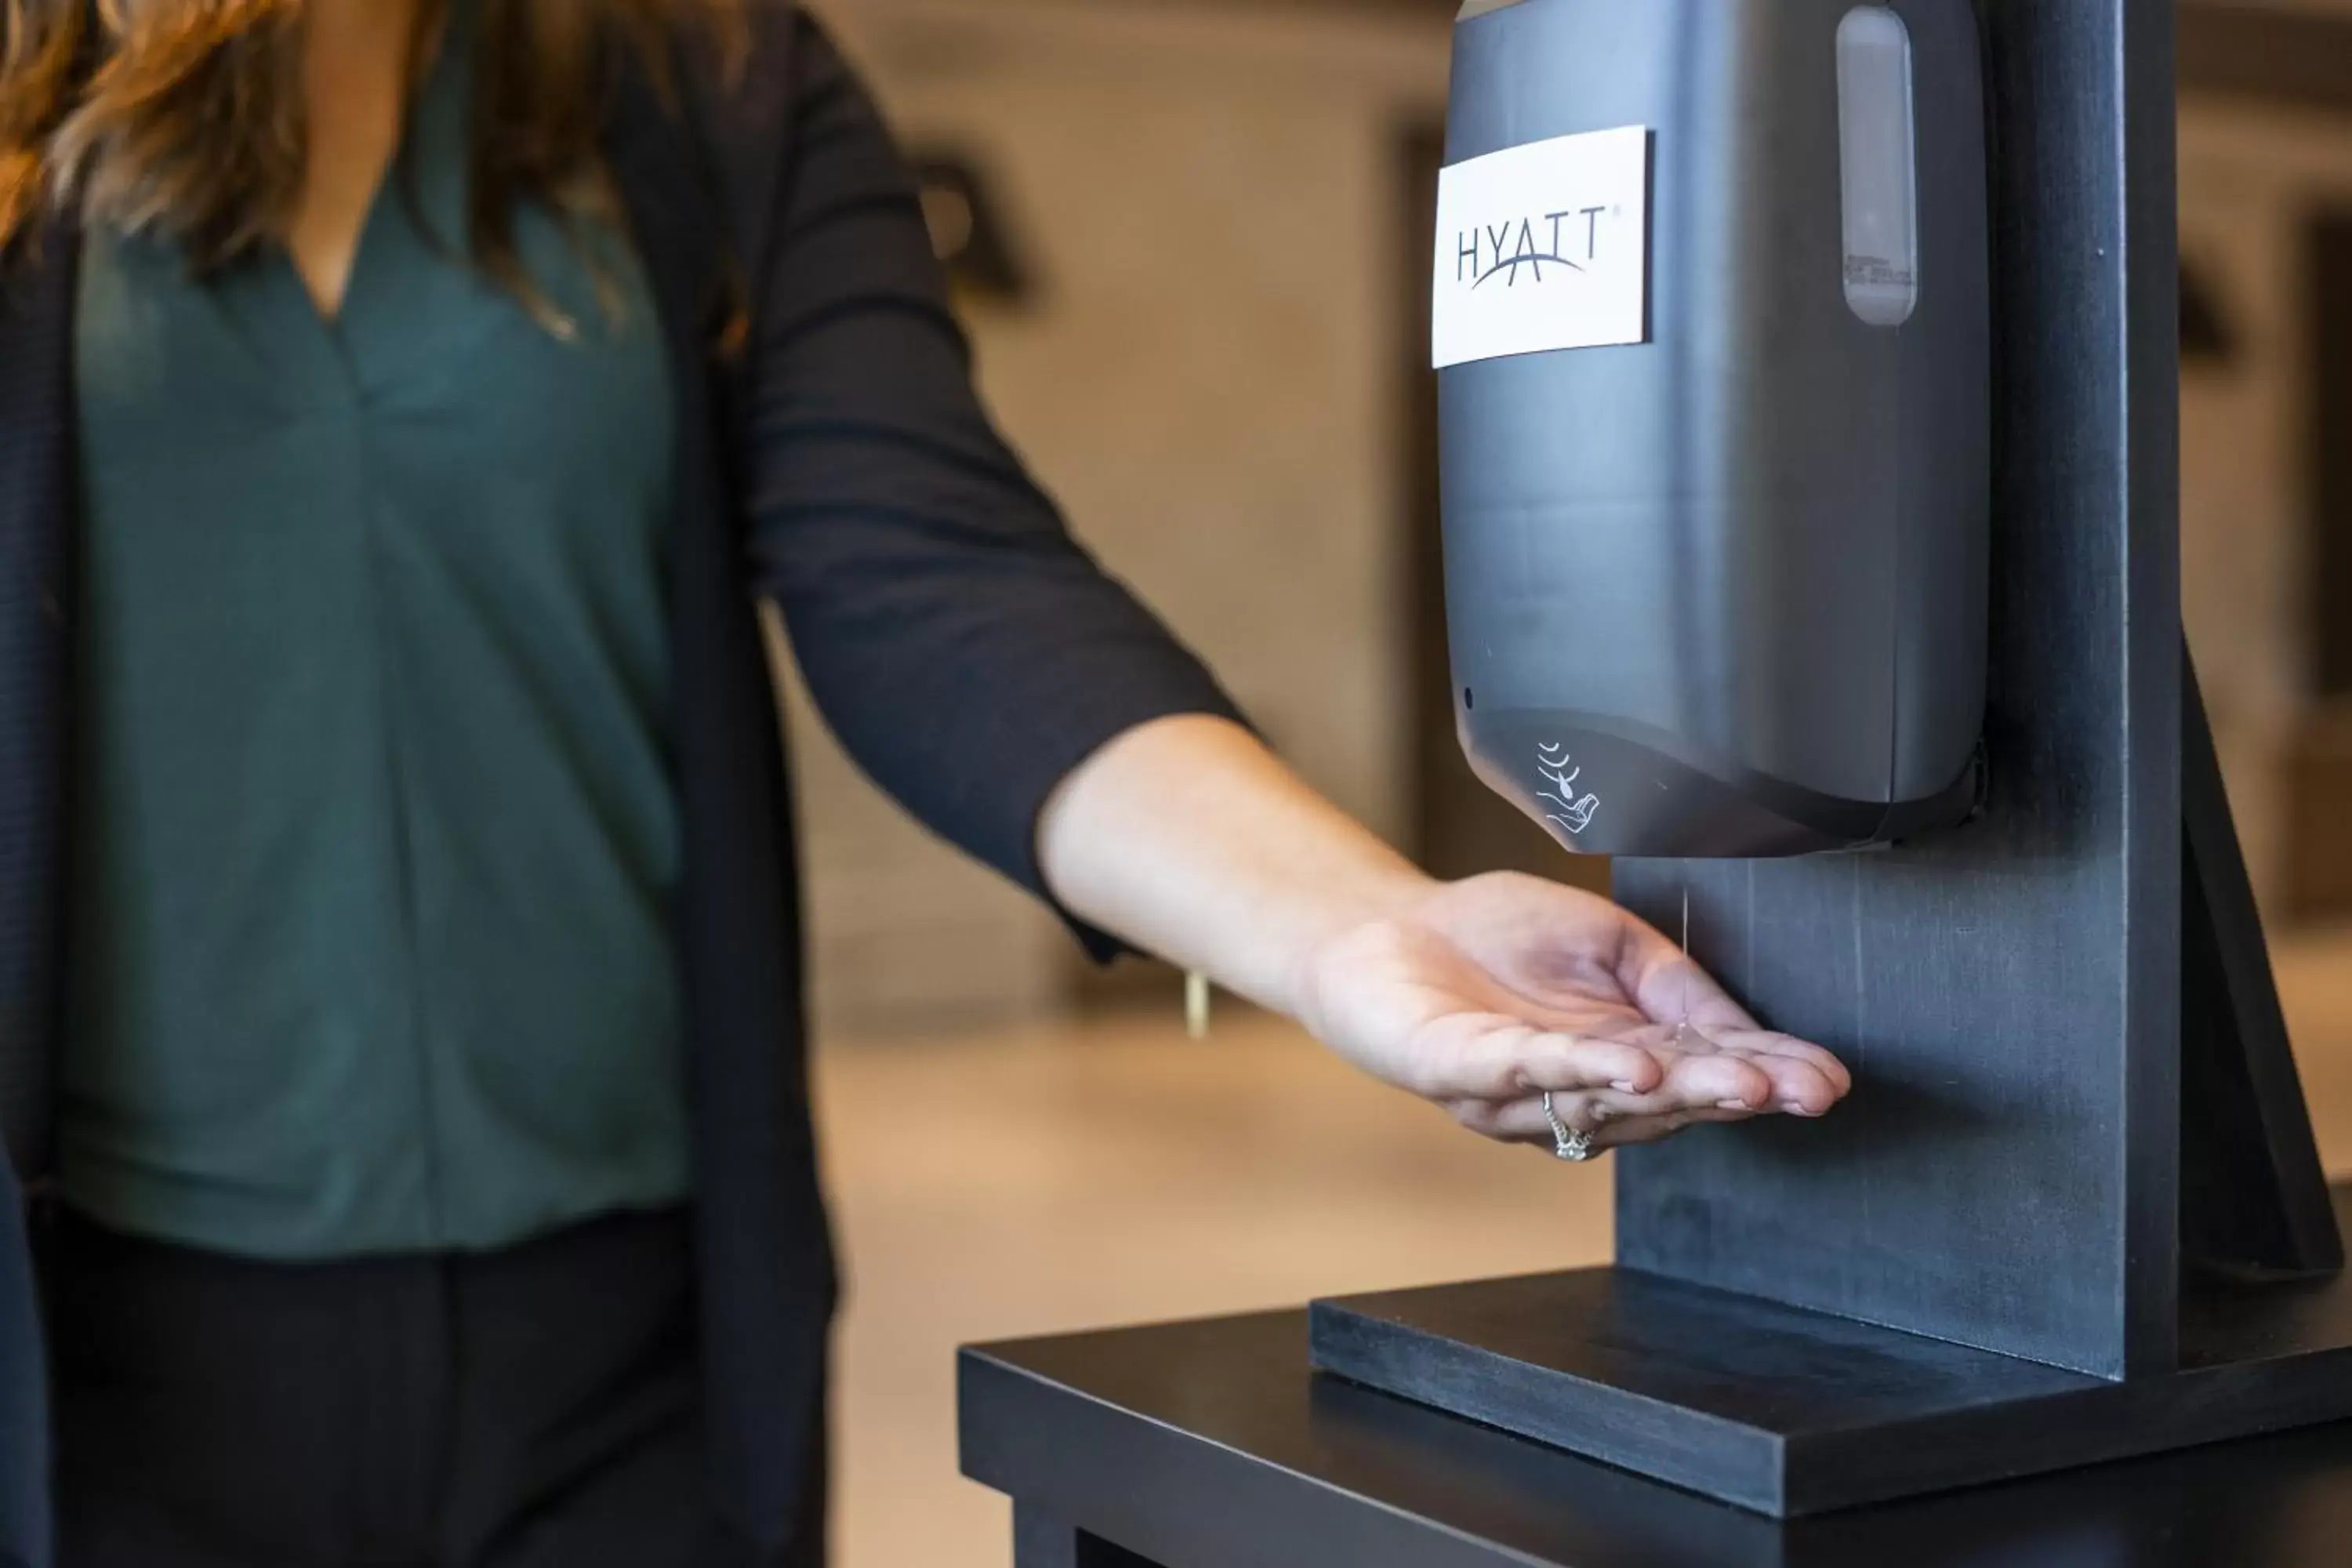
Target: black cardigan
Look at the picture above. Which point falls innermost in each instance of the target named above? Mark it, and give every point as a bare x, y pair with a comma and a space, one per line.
966, 650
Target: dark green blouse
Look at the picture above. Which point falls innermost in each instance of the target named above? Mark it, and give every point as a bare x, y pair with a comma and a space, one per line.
376, 839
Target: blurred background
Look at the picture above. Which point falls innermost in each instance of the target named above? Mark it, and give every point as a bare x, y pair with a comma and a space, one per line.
1189, 239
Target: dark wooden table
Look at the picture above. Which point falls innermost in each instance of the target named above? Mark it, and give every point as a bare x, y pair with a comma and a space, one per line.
1211, 1445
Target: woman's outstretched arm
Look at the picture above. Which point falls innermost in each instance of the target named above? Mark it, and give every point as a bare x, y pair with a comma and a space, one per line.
1188, 837
981, 666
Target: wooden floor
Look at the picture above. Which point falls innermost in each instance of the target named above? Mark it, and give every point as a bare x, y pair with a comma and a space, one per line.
1029, 1183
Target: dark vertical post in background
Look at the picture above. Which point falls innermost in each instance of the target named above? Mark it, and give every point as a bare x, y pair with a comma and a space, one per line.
2318, 874
2328, 287
2007, 1174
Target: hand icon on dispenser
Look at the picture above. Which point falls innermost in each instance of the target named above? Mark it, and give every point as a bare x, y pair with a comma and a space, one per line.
1571, 812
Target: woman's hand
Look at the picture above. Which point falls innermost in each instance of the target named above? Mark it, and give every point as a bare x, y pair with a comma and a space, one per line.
1484, 995
1189, 838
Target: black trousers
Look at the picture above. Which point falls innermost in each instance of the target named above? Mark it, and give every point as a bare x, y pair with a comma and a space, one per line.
533, 1408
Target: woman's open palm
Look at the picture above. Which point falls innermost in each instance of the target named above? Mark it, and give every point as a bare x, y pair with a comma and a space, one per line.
1493, 991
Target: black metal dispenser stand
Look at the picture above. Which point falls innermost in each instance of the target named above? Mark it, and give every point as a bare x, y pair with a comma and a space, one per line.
2074, 1211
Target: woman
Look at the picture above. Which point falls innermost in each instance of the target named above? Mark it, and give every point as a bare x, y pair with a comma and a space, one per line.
403, 404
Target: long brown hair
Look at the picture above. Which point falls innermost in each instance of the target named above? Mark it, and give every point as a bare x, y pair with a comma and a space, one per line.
187, 118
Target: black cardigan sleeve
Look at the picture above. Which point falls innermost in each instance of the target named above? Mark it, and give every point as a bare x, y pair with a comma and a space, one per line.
966, 650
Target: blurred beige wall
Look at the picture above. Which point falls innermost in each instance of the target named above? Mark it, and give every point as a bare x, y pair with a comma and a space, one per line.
1209, 196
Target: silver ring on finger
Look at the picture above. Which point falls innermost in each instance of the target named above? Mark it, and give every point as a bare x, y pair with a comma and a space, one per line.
1567, 1143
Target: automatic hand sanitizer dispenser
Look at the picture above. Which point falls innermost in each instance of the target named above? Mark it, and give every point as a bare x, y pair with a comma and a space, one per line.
1712, 325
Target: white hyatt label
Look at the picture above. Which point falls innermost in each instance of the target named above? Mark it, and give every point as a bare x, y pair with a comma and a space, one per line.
1544, 247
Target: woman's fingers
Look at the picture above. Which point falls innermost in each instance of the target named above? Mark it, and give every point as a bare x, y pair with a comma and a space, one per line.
1499, 1058
1804, 1078
1641, 1129
1523, 1122
1712, 1080
1651, 1071
1799, 1087
1698, 1087
1765, 1046
1676, 992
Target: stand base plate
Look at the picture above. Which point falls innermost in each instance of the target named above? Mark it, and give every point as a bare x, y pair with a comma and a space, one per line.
1789, 1412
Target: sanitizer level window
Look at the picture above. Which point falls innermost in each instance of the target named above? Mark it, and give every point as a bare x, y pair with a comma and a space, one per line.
1879, 166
